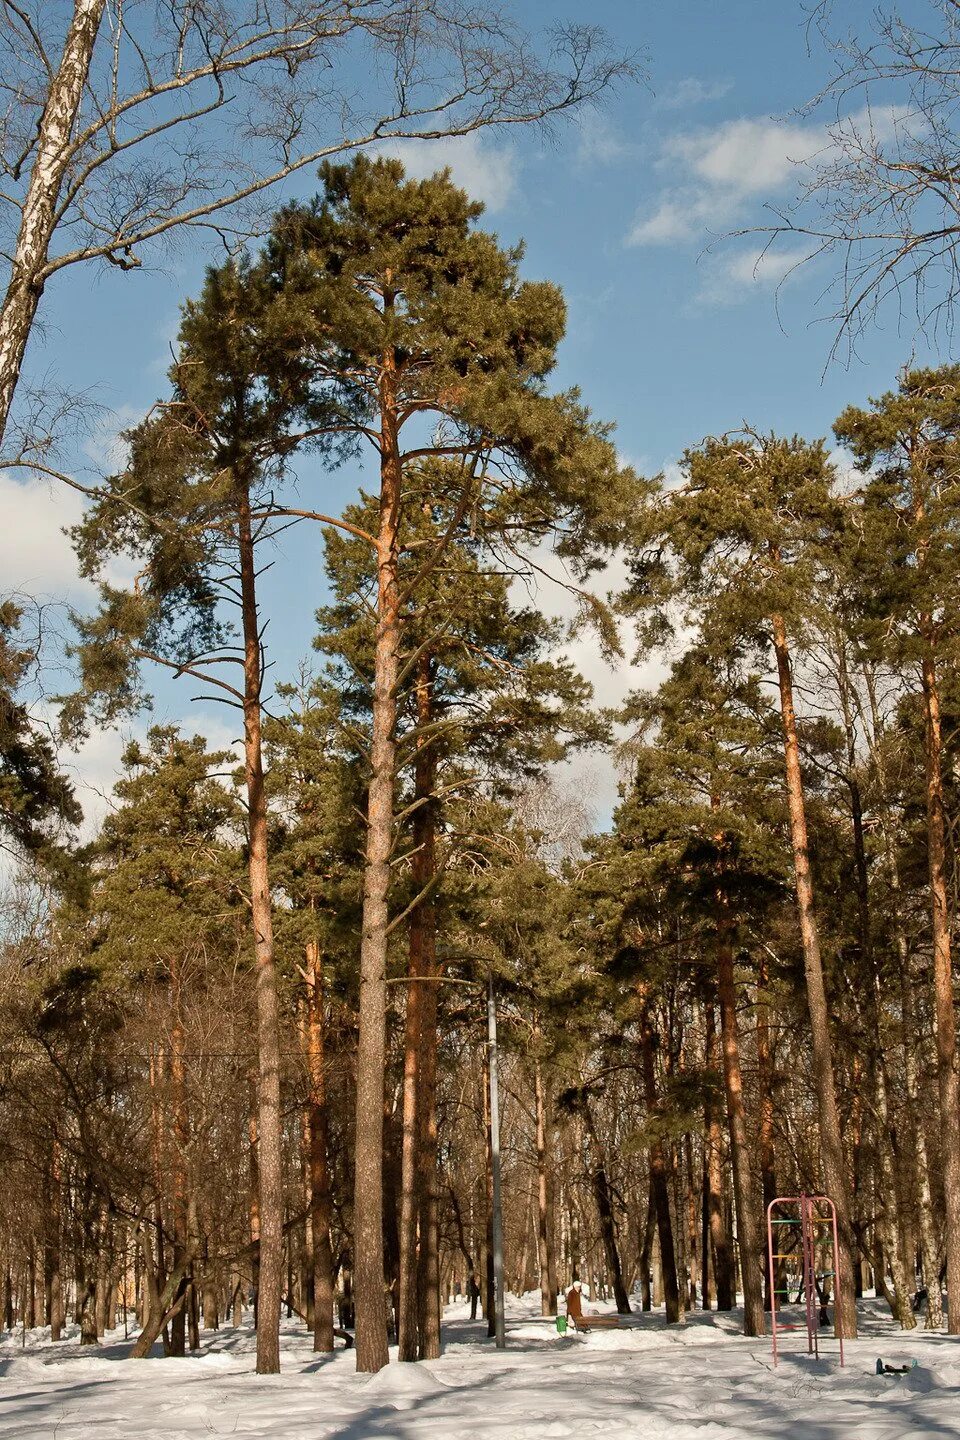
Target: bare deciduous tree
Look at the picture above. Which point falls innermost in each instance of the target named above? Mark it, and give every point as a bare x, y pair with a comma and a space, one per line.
882, 198
124, 120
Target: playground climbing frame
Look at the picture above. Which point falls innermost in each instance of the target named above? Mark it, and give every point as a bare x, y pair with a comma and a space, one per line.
806, 1238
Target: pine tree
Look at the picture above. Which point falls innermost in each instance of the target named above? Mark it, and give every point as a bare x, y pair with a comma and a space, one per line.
752, 529
907, 444
163, 893
192, 505
480, 701
409, 313
36, 800
706, 797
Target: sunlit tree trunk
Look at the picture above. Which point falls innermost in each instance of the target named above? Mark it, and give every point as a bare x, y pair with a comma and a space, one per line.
716, 1211
834, 1173
546, 1253
945, 1016
371, 1300
269, 1122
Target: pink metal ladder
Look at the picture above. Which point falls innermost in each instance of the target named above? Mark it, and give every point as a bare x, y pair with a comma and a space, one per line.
809, 1215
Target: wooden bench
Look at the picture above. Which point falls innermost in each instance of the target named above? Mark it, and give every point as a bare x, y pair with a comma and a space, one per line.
584, 1323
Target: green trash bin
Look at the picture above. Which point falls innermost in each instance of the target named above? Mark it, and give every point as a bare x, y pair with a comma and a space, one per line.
561, 1324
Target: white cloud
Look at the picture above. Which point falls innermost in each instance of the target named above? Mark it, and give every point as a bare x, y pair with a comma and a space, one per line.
35, 556
690, 91
716, 173
729, 278
487, 172
593, 775
745, 157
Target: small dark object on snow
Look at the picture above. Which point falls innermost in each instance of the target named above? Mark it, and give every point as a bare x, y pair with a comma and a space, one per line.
883, 1369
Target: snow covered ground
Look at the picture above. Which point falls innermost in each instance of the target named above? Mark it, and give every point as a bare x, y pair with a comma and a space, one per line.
701, 1380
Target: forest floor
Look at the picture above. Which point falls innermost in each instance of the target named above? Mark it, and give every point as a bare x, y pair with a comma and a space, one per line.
699, 1380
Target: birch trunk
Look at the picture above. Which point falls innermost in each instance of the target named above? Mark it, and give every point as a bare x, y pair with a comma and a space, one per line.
39, 212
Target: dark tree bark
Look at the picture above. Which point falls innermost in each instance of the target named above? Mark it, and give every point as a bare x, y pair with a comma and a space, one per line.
658, 1170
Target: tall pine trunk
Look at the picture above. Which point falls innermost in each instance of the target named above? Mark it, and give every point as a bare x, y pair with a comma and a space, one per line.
321, 1255
716, 1226
888, 1222
371, 1300
659, 1191
768, 1173
546, 1253
915, 1138
424, 936
603, 1198
269, 1121
410, 1170
943, 998
834, 1173
180, 1139
52, 158
748, 1227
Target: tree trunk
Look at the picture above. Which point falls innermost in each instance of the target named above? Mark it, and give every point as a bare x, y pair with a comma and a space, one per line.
658, 1170
646, 1251
545, 1248
181, 1137
888, 1206
52, 1251
603, 1198
834, 1173
768, 1172
320, 1203
371, 1301
424, 928
489, 1281
716, 1214
943, 999
167, 1304
253, 1195
410, 1170
748, 1228
38, 216
269, 1122
915, 1139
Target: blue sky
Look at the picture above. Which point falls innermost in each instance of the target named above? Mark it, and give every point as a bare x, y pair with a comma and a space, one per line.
668, 340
